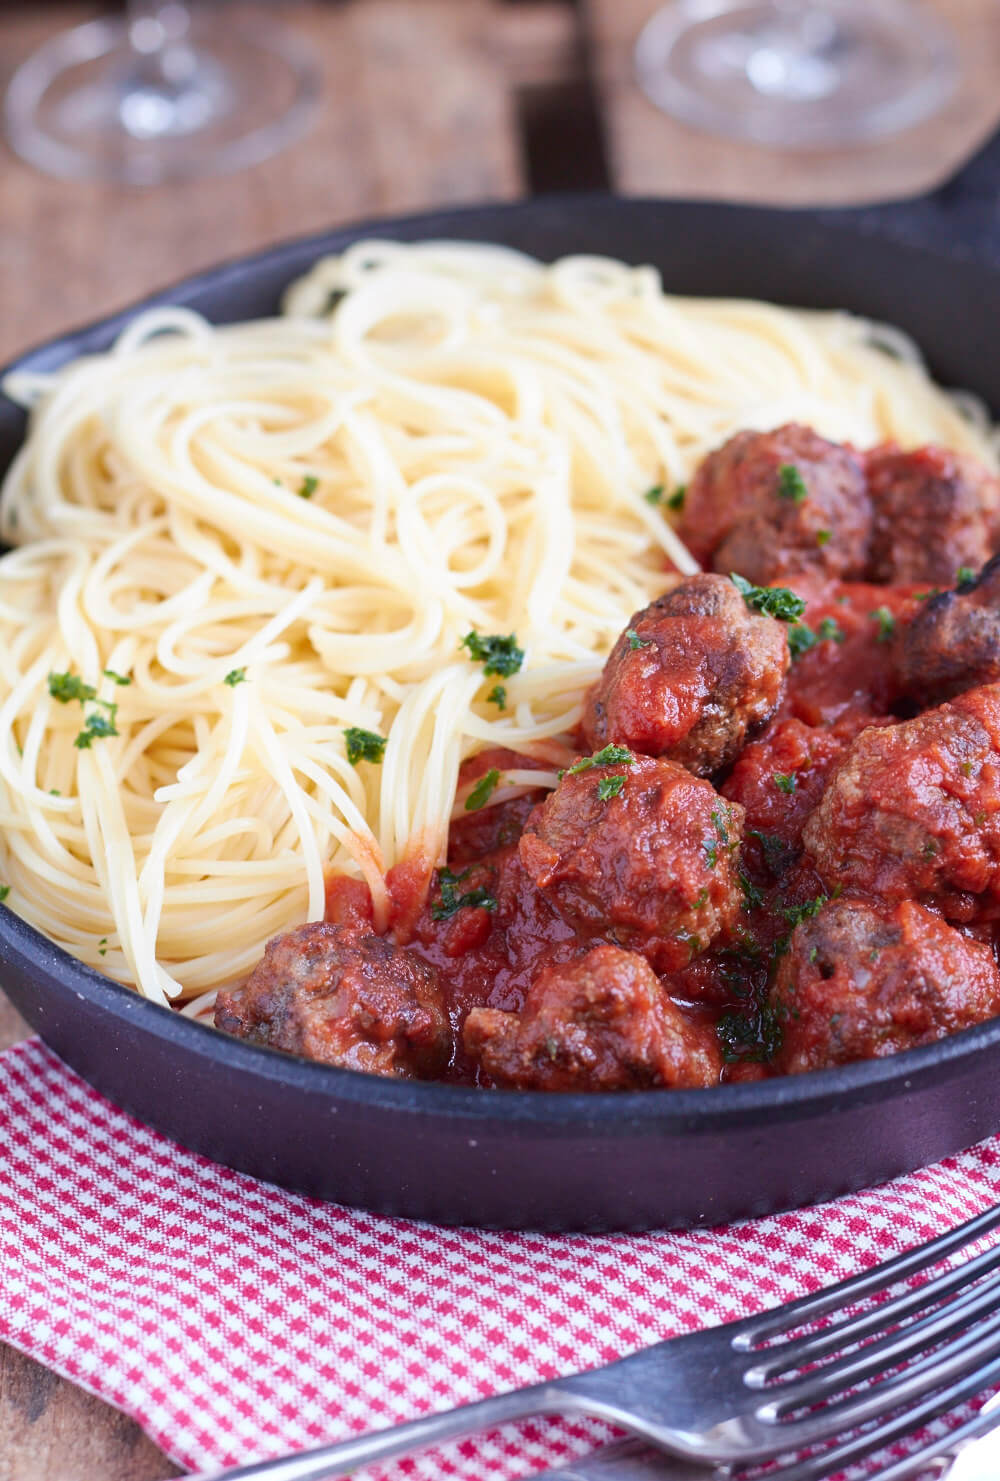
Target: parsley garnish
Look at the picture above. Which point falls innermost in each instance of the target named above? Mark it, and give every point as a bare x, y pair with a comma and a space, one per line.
823, 537
676, 500
800, 639
236, 676
720, 821
497, 696
773, 601
102, 946
609, 756
785, 781
498, 655
450, 901
753, 1035
363, 745
610, 786
654, 495
118, 678
777, 853
797, 913
95, 727
308, 486
751, 893
634, 640
482, 791
964, 575
830, 628
791, 484
67, 687
886, 623
4, 892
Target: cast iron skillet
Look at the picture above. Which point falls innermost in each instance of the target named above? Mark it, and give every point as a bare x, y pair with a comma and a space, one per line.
526, 1160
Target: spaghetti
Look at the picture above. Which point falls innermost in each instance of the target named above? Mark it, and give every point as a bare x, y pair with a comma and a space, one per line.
235, 545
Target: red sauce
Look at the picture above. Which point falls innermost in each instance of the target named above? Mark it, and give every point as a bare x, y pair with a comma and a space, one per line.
488, 955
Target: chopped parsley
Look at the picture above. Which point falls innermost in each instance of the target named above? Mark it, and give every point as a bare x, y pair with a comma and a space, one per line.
753, 1035
800, 639
634, 640
925, 596
655, 494
498, 655
886, 623
236, 676
364, 745
823, 537
95, 727
308, 486
777, 853
791, 484
482, 791
610, 786
931, 848
68, 687
795, 914
785, 781
497, 696
964, 575
450, 901
118, 678
751, 893
720, 822
830, 629
102, 946
676, 500
773, 601
608, 756
966, 768
4, 892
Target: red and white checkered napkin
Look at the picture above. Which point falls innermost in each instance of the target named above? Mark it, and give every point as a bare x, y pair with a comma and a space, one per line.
234, 1320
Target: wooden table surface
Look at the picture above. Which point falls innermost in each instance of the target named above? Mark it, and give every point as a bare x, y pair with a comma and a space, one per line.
425, 102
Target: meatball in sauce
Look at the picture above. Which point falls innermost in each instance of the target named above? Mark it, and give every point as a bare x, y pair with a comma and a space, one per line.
774, 842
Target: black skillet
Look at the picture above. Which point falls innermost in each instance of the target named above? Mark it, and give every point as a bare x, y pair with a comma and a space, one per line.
540, 1161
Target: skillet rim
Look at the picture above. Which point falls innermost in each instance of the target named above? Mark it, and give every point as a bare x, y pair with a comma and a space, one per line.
710, 1109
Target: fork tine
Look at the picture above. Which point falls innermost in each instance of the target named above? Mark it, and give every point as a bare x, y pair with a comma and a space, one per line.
878, 1278
811, 1347
838, 1457
962, 1356
885, 1352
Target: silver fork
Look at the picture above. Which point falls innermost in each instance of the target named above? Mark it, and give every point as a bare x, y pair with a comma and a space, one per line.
755, 1389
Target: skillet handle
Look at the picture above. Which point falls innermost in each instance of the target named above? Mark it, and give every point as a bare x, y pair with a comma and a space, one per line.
960, 218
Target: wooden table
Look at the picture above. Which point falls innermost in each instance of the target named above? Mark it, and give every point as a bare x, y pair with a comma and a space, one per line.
425, 102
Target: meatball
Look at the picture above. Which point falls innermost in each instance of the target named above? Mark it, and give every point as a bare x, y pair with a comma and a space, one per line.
934, 512
602, 1022
333, 994
953, 642
864, 979
914, 809
690, 678
641, 852
776, 504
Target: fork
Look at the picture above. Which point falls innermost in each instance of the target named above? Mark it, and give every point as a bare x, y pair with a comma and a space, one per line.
752, 1390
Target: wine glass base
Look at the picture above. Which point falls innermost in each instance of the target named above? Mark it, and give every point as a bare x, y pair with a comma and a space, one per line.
796, 76
87, 106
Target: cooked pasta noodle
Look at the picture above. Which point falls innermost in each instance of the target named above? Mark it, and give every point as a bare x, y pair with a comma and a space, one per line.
237, 543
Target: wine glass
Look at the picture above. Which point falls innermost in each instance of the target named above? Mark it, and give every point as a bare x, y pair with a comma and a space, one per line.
168, 91
796, 74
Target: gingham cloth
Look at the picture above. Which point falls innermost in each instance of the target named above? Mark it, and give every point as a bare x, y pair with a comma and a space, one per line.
234, 1320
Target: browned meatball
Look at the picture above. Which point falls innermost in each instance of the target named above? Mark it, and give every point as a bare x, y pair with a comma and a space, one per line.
914, 809
691, 677
953, 642
864, 979
602, 1022
934, 512
644, 853
330, 993
775, 504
